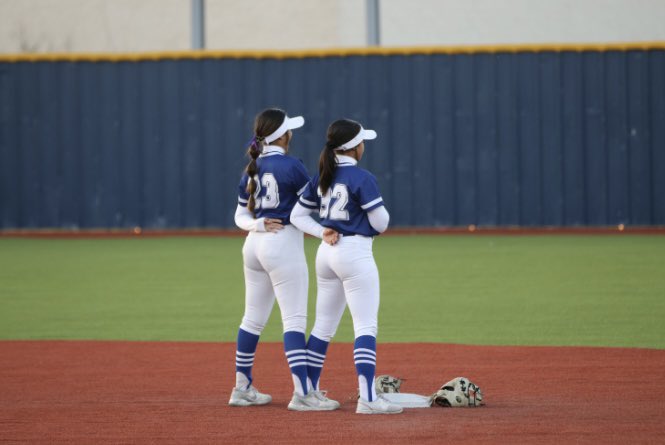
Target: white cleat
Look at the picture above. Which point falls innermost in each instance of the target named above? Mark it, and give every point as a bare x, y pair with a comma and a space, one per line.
313, 401
378, 406
248, 397
330, 404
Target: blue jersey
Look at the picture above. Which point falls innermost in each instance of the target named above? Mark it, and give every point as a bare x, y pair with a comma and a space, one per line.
280, 179
344, 207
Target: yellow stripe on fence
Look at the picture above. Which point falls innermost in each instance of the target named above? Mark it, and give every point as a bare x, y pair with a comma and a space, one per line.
323, 53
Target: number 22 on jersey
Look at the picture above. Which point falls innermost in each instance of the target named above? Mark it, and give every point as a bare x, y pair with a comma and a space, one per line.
268, 183
333, 203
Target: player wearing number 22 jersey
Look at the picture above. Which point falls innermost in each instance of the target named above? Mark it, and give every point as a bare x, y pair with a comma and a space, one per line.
351, 212
274, 259
345, 207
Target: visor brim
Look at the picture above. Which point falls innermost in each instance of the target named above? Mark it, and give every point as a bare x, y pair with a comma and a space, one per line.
363, 135
368, 135
295, 122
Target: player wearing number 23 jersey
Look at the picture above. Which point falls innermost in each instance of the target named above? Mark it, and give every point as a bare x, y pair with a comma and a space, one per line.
351, 212
274, 259
280, 179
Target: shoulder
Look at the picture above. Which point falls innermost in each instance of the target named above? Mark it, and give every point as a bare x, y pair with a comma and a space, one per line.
314, 180
285, 162
313, 184
291, 161
361, 174
367, 173
282, 162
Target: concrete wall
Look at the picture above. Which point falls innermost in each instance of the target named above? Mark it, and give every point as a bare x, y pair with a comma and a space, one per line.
455, 22
164, 25
94, 25
280, 24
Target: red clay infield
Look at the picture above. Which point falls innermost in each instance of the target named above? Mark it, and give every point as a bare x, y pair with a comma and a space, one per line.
134, 392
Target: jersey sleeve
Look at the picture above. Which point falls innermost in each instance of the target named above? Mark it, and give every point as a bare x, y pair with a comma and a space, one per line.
369, 194
243, 196
300, 177
309, 198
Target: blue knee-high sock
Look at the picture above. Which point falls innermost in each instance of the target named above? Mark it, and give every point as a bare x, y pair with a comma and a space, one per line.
316, 354
245, 350
294, 347
364, 356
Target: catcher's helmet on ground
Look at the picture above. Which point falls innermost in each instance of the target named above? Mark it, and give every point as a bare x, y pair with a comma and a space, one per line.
458, 392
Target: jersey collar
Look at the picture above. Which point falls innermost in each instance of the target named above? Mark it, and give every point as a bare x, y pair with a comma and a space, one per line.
270, 150
345, 161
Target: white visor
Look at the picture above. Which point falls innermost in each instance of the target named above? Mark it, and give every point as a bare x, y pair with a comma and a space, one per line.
289, 123
363, 135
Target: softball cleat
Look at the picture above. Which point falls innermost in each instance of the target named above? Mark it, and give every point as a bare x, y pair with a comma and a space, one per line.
313, 401
248, 397
325, 401
378, 406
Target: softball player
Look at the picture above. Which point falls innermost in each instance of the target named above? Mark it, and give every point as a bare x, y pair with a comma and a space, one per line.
274, 259
351, 212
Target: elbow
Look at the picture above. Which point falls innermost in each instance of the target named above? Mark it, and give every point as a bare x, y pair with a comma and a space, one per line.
238, 225
243, 219
381, 226
297, 222
294, 220
237, 219
381, 223
297, 215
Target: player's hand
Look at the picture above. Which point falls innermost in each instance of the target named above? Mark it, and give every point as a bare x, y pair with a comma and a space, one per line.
330, 236
272, 224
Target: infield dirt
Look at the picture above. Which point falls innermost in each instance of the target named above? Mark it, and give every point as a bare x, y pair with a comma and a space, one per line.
140, 392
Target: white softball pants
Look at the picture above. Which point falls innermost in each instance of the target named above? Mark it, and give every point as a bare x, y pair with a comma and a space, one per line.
346, 274
275, 268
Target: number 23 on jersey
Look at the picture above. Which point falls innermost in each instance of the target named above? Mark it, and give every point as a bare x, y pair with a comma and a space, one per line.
268, 183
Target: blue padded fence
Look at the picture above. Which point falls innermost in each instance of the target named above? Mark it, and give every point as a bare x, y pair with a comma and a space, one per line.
551, 138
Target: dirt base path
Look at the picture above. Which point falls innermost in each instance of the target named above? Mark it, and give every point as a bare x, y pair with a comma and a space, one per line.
133, 392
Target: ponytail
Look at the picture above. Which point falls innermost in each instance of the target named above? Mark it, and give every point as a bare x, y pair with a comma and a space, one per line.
327, 167
339, 132
255, 149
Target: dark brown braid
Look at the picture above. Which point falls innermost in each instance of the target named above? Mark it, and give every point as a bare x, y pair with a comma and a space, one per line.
265, 123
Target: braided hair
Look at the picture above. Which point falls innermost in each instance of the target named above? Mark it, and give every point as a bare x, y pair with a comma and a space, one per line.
265, 123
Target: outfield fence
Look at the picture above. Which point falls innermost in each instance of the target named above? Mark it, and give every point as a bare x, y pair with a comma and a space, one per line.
489, 136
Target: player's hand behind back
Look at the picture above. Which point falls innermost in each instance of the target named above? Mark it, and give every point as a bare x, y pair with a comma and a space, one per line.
330, 236
273, 224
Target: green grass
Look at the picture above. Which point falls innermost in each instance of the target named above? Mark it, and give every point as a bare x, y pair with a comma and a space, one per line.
510, 290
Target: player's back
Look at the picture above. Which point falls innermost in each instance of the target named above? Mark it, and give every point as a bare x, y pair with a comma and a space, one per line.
353, 192
279, 180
